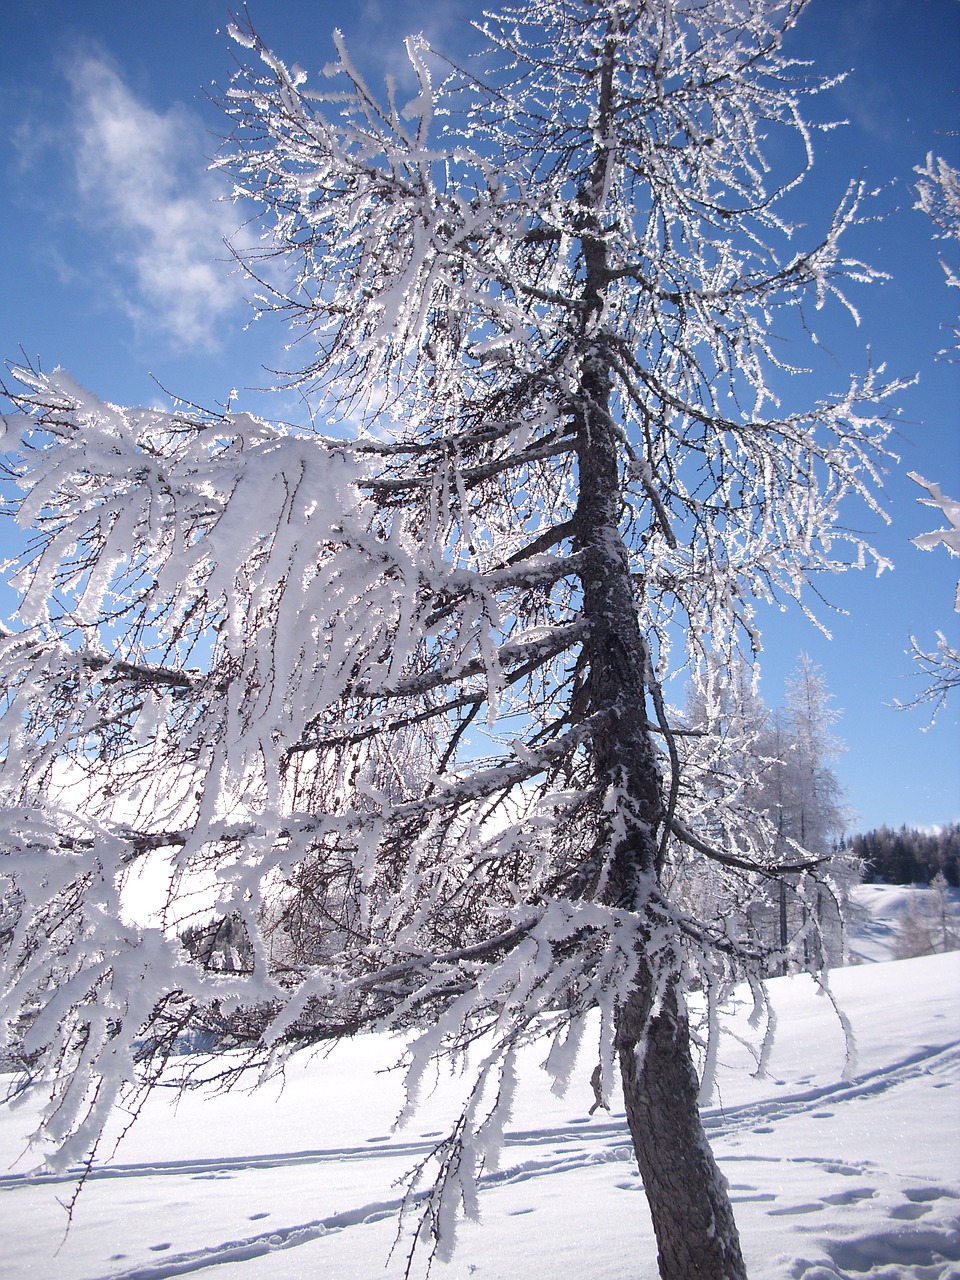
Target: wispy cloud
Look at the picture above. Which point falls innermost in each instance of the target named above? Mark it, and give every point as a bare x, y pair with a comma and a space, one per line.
142, 174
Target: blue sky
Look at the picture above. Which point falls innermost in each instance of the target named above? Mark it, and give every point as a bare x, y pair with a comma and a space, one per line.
113, 266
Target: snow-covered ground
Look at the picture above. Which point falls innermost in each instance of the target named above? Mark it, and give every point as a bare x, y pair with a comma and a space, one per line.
832, 1177
876, 913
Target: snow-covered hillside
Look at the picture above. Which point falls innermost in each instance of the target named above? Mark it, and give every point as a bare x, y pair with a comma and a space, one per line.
875, 916
838, 1168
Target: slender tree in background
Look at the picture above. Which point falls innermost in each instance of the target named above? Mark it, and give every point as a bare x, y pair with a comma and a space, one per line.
812, 799
414, 674
804, 800
929, 924
778, 765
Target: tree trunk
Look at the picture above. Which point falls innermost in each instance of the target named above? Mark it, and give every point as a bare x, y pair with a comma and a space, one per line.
692, 1216
688, 1199
687, 1194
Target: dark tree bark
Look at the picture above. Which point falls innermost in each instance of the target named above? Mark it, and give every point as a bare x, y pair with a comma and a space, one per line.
689, 1204
692, 1216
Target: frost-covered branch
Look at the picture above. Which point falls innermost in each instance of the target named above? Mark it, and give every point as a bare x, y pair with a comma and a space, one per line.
940, 667
938, 193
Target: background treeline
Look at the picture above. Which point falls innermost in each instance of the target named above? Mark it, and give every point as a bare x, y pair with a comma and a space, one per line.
909, 856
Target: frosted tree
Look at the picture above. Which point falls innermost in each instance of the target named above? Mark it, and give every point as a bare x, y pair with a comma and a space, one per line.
811, 804
776, 768
929, 924
541, 302
805, 801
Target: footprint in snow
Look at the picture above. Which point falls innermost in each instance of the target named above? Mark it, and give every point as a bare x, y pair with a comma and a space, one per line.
919, 1195
850, 1197
909, 1212
923, 1249
791, 1209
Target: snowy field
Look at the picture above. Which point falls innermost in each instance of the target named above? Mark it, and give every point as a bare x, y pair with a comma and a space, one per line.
877, 910
856, 1178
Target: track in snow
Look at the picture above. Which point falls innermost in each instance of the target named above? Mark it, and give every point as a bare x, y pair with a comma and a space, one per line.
922, 1240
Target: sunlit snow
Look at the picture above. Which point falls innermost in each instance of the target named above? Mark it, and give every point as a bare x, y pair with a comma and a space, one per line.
856, 1179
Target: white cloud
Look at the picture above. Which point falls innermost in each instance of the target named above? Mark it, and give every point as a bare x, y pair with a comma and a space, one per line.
143, 174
